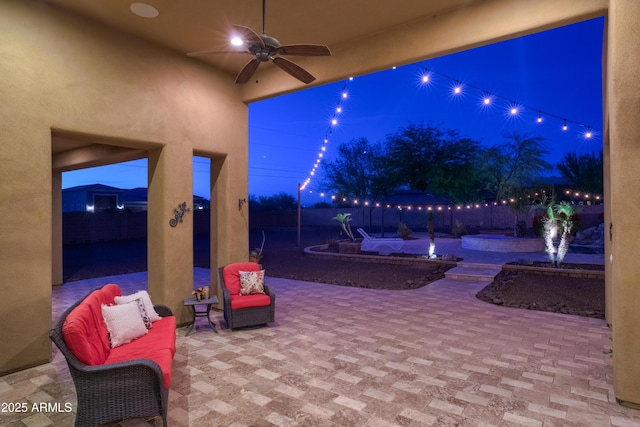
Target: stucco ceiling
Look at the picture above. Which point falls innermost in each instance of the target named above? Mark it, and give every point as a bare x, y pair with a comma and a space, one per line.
196, 25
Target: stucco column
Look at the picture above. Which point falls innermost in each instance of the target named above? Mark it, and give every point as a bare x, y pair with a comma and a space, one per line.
229, 218
25, 252
623, 106
56, 228
170, 249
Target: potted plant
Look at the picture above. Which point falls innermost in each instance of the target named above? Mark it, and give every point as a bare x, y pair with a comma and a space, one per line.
351, 246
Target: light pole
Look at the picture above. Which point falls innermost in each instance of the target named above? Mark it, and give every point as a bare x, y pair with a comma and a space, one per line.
299, 211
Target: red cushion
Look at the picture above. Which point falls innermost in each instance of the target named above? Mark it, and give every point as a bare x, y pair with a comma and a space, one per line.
162, 356
161, 336
159, 345
246, 301
84, 330
231, 276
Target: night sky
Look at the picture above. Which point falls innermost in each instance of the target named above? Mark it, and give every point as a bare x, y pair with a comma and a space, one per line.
555, 75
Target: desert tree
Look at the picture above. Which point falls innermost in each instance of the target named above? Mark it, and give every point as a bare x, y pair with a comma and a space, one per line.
355, 171
438, 161
511, 168
277, 202
583, 172
513, 165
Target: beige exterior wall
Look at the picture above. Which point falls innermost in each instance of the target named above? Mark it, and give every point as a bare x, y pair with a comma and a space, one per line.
75, 77
623, 109
59, 72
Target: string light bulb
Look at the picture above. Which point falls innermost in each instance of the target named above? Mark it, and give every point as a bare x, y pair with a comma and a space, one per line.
564, 125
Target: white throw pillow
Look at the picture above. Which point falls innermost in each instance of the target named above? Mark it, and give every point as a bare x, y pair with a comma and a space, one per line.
251, 282
146, 299
124, 323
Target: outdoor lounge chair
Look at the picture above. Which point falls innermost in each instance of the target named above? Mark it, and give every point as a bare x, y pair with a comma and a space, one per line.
380, 244
245, 310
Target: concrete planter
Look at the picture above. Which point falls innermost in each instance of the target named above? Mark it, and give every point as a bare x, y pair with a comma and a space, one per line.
349, 246
500, 243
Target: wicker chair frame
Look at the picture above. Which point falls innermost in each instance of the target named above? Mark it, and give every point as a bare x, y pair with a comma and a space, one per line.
250, 316
116, 391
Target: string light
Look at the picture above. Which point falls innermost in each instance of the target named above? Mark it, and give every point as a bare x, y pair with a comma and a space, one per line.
487, 99
457, 88
576, 196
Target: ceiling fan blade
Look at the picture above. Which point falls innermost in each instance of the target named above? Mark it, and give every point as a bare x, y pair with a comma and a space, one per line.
210, 52
294, 69
248, 35
247, 71
304, 50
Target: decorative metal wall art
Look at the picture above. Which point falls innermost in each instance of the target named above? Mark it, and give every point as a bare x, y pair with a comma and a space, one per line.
240, 203
178, 214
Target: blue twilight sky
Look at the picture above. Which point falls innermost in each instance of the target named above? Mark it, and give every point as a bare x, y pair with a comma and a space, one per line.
555, 75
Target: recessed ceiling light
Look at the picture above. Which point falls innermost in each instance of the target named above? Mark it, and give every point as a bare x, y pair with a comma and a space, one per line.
144, 10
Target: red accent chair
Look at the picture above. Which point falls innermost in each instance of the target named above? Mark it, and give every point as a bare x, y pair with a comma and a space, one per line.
244, 310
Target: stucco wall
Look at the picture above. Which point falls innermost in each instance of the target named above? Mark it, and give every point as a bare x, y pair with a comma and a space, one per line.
59, 72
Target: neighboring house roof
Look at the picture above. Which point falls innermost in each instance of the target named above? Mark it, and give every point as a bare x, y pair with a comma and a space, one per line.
94, 187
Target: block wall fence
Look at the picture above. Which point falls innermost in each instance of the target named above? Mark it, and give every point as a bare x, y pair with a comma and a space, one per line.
83, 227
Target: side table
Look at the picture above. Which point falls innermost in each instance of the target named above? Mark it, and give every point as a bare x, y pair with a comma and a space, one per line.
193, 302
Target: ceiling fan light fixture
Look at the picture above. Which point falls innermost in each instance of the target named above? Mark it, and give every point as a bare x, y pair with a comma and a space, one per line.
144, 10
236, 40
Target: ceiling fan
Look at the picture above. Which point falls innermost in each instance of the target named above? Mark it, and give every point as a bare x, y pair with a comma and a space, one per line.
266, 48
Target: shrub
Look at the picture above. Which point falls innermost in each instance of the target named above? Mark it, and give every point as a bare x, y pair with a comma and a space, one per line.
403, 230
458, 230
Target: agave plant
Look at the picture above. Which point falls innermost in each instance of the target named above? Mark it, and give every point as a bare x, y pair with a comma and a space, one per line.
344, 219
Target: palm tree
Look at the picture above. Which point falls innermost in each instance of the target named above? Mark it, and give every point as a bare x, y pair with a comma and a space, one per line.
550, 232
564, 211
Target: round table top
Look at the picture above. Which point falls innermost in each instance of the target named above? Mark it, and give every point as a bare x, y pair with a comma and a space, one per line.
193, 301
